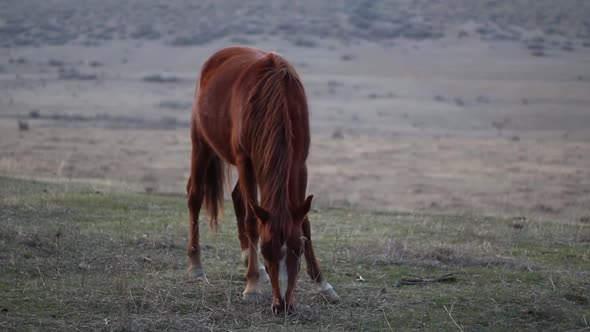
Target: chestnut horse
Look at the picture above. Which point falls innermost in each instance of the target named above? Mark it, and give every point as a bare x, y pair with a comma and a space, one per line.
250, 111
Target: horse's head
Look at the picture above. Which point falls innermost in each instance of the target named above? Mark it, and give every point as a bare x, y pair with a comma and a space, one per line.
282, 249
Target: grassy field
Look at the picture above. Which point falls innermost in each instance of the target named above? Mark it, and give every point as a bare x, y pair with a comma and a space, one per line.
76, 258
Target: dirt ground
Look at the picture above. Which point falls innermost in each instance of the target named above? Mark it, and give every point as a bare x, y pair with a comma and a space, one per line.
458, 124
492, 176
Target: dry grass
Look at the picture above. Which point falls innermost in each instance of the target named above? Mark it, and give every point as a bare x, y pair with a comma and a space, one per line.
74, 258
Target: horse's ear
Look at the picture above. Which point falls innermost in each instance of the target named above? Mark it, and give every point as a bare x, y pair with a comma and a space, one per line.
260, 213
302, 211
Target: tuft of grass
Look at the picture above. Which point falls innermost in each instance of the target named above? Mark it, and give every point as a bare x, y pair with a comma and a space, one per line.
73, 257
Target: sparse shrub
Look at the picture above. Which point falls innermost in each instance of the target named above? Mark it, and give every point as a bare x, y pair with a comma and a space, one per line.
304, 42
441, 254
462, 34
157, 78
74, 74
337, 134
483, 30
34, 114
145, 31
347, 57
334, 84
535, 46
23, 125
55, 63
483, 99
175, 105
189, 40
241, 40
568, 48
168, 121
546, 208
421, 32
19, 60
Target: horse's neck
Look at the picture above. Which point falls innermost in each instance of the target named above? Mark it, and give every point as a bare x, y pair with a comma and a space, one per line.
276, 200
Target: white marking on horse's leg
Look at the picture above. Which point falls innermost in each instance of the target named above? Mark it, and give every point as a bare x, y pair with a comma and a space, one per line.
252, 293
324, 286
196, 272
283, 276
252, 287
328, 291
262, 270
245, 257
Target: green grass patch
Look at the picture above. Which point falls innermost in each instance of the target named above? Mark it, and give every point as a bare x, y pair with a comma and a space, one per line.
73, 257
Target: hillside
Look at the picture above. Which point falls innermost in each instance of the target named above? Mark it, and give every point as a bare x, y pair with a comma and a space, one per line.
184, 22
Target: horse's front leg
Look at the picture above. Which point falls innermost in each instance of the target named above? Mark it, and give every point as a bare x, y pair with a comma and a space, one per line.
253, 291
240, 211
249, 193
313, 267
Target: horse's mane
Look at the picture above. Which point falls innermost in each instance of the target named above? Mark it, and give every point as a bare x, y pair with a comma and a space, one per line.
270, 132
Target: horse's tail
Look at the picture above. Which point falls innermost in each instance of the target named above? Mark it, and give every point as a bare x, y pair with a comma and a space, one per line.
214, 179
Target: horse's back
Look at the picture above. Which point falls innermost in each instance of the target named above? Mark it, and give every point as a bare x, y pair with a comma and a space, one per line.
212, 112
227, 63
229, 78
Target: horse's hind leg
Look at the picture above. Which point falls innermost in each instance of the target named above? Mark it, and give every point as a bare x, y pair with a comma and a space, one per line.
240, 210
201, 155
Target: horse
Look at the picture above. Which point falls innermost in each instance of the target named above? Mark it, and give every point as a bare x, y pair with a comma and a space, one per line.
250, 110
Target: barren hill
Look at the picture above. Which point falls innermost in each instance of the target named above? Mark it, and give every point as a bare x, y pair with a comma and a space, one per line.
184, 22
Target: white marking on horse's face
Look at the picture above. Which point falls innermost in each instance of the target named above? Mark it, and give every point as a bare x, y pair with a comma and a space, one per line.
283, 276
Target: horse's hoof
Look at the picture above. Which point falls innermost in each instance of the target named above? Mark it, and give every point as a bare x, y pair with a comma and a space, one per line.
280, 310
330, 295
252, 297
196, 273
